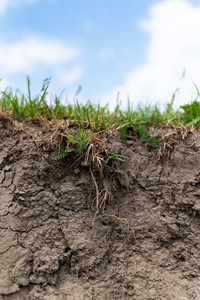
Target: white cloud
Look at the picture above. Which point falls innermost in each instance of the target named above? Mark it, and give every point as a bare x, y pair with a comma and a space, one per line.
33, 52
174, 45
38, 57
5, 4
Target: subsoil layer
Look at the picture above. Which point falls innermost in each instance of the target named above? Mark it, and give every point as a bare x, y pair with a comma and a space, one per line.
144, 243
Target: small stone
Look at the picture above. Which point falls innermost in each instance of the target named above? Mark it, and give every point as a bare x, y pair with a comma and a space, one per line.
76, 171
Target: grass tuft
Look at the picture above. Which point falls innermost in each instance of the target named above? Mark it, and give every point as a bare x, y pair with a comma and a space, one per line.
94, 118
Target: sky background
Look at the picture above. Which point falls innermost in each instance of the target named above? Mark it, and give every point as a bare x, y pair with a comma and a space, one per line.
144, 50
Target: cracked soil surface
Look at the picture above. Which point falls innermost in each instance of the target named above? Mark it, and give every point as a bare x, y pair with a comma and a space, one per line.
144, 245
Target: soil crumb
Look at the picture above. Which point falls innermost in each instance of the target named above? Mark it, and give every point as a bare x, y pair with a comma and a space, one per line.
143, 245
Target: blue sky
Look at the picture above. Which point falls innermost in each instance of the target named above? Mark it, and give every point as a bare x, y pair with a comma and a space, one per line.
137, 48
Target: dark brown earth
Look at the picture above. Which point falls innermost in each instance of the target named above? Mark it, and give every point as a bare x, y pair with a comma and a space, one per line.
143, 244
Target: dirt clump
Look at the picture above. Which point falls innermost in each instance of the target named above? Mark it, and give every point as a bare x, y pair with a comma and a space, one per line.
144, 243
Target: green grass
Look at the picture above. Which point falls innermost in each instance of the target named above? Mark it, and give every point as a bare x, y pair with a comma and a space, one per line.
91, 118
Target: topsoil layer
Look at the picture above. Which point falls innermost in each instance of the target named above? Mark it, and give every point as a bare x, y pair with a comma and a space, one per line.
144, 243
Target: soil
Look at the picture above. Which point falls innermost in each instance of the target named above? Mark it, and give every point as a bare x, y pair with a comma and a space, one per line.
143, 243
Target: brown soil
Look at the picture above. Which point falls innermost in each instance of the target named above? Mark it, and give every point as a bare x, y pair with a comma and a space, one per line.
143, 244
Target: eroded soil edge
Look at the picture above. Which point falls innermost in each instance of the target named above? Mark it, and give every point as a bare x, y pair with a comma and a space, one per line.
145, 245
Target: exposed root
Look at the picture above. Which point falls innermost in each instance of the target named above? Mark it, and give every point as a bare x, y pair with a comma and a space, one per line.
97, 192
